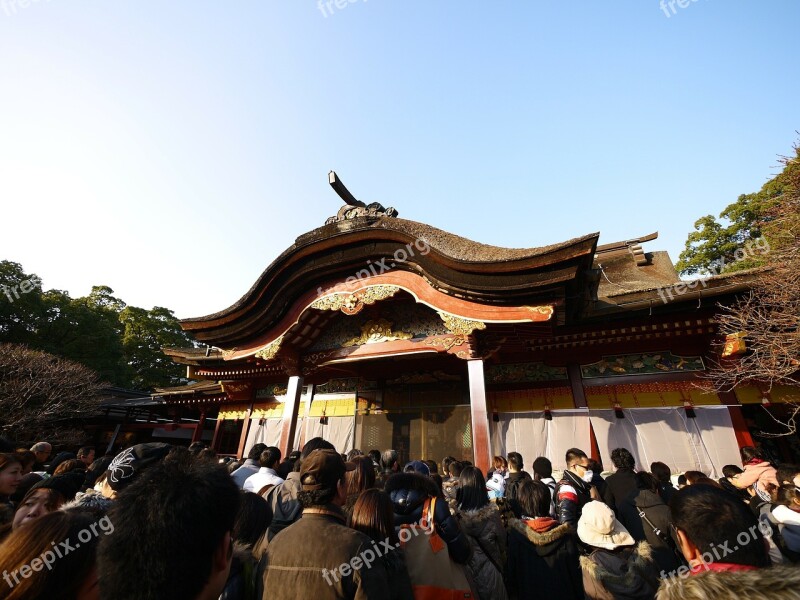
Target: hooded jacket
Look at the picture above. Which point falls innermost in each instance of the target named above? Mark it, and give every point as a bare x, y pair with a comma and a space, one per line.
543, 561
487, 563
761, 474
776, 583
627, 573
659, 515
408, 492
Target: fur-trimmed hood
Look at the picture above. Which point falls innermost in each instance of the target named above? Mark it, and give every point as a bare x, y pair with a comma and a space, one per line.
625, 573
408, 491
472, 519
540, 539
775, 583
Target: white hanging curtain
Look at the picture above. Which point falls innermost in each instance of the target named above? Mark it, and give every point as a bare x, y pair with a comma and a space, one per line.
339, 431
530, 434
268, 433
705, 443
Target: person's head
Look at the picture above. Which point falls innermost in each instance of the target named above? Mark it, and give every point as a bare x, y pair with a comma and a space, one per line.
362, 477
390, 461
705, 517
455, 468
599, 528
86, 455
59, 575
373, 515
417, 466
622, 459
446, 465
207, 454
316, 443
10, 474
252, 519
646, 481
432, 466
471, 493
38, 502
682, 481
731, 471
751, 454
500, 464
789, 495
515, 463
270, 457
578, 464
59, 458
353, 453
255, 451
27, 459
132, 462
375, 456
72, 464
542, 468
173, 533
661, 472
42, 451
693, 476
534, 498
322, 476
196, 448
235, 464
788, 474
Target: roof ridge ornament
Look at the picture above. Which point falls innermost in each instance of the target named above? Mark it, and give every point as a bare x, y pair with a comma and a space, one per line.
353, 208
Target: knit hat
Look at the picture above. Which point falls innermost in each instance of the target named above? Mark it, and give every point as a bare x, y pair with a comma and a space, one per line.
322, 470
66, 484
599, 528
127, 465
417, 466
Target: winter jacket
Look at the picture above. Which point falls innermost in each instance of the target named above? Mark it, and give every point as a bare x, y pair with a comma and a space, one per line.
572, 493
543, 561
775, 583
627, 573
408, 492
286, 508
297, 564
790, 530
659, 515
513, 482
241, 584
761, 474
619, 486
666, 490
488, 537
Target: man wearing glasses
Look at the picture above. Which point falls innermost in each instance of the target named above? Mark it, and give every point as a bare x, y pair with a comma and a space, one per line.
575, 488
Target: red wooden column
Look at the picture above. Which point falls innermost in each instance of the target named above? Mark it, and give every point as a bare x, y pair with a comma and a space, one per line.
480, 415
743, 437
198, 430
304, 430
215, 439
290, 410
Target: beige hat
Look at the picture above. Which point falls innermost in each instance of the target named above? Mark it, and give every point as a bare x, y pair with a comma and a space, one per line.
599, 528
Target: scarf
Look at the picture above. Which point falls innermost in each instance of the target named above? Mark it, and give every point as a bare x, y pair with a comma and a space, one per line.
540, 524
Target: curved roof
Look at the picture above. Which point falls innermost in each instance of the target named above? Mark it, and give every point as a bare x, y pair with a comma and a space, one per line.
352, 249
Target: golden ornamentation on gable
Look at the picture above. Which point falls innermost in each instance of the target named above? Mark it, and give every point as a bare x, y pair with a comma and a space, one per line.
459, 325
446, 342
546, 311
352, 303
375, 331
269, 351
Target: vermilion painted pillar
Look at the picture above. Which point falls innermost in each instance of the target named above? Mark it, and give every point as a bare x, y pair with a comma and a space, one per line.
290, 410
198, 430
245, 430
480, 415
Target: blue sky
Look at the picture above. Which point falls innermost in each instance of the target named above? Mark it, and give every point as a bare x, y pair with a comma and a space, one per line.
173, 150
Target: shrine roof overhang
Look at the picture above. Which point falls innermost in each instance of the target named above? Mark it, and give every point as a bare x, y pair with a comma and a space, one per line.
367, 249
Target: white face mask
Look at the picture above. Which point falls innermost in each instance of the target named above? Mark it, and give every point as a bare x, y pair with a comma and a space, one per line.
587, 476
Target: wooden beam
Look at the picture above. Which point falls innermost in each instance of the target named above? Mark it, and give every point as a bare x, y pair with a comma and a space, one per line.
198, 430
304, 430
215, 439
290, 409
576, 382
245, 430
480, 415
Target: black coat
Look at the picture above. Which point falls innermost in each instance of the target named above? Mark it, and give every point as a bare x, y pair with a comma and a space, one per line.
659, 515
619, 486
543, 565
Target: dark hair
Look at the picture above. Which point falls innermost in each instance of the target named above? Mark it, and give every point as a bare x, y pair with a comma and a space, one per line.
499, 463
26, 458
85, 451
316, 443
270, 457
180, 511
681, 479
388, 459
710, 516
534, 498
7, 459
542, 467
64, 577
455, 468
622, 458
309, 498
731, 471
373, 515
574, 455
252, 519
787, 494
748, 453
73, 464
471, 493
286, 467
60, 458
196, 448
353, 453
362, 477
595, 465
786, 473
661, 472
439, 484
645, 481
432, 466
255, 451
446, 465
515, 461
693, 476
375, 455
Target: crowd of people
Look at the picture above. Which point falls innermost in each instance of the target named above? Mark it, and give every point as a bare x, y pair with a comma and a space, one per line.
162, 521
